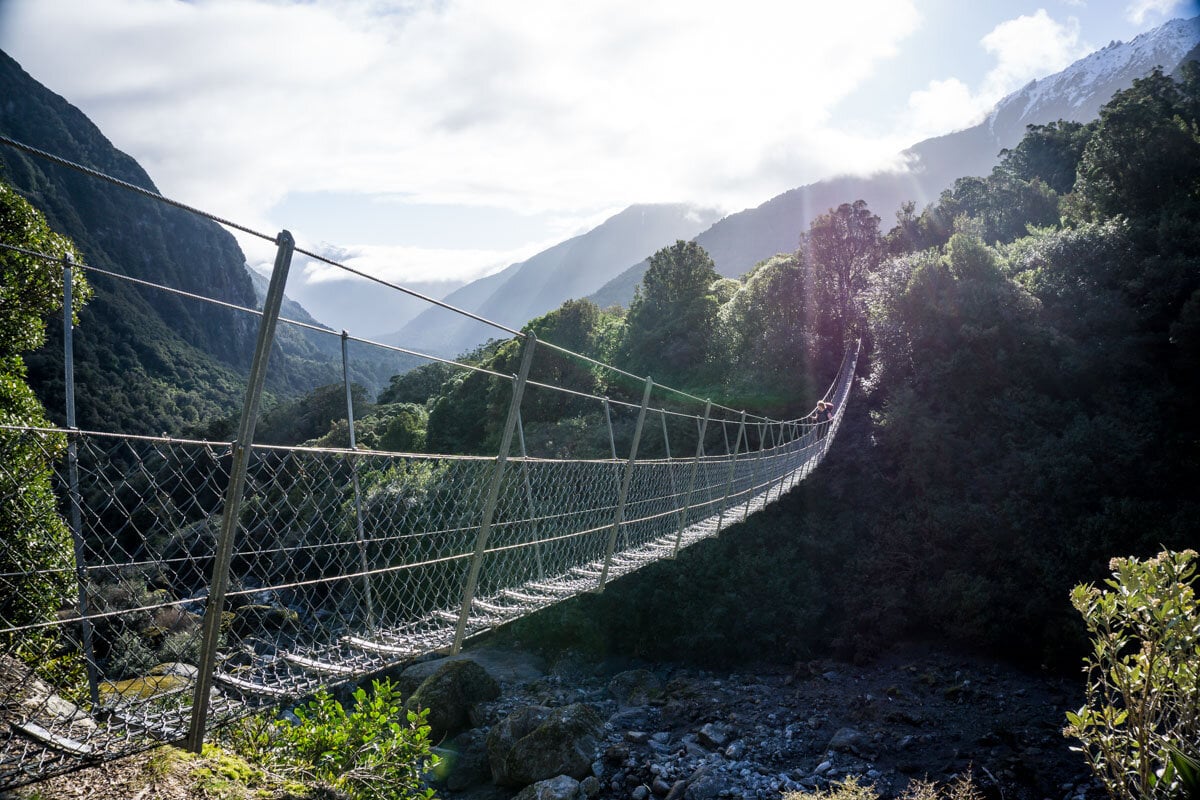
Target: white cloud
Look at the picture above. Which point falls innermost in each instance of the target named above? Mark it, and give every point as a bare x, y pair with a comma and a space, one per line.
1029, 47
403, 265
533, 105
1137, 11
1025, 48
943, 106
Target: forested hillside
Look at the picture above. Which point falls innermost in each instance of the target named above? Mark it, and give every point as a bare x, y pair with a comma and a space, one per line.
146, 361
1025, 413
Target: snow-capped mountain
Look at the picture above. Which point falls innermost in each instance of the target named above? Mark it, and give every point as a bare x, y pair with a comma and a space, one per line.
1078, 91
739, 241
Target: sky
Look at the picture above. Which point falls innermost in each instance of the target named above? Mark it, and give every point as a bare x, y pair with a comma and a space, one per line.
434, 142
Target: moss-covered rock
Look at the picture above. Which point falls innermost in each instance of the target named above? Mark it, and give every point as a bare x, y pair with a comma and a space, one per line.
636, 687
449, 693
536, 743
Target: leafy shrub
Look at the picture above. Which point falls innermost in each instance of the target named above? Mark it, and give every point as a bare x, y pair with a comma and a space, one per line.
35, 546
128, 656
1140, 726
376, 751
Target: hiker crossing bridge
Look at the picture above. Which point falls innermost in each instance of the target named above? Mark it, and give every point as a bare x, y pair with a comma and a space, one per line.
207, 580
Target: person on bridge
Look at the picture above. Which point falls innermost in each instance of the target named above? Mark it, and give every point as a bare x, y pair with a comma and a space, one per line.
822, 416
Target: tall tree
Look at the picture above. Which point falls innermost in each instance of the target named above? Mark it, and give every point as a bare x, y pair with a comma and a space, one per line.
1049, 152
1145, 153
672, 318
767, 335
845, 247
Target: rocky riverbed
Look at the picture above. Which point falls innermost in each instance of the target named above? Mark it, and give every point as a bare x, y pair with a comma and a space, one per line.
682, 733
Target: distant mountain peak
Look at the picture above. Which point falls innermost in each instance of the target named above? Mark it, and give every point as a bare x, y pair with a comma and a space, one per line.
571, 269
1077, 92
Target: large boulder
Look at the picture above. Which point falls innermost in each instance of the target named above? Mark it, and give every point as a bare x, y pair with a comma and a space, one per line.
635, 687
450, 693
464, 761
564, 787
536, 743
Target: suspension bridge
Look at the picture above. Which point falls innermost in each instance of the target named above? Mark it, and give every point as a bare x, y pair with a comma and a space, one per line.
256, 575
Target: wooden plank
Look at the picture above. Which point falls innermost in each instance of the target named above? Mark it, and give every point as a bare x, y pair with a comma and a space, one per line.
51, 739
248, 687
314, 665
556, 589
503, 611
406, 650
522, 597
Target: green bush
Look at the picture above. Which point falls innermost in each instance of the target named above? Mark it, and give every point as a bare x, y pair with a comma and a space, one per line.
35, 545
1140, 726
376, 751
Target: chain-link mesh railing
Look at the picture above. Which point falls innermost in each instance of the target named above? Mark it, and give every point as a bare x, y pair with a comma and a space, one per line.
156, 587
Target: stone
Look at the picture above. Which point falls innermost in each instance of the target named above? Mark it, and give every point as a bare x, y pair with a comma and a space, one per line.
705, 785
640, 793
415, 674
464, 761
449, 694
258, 619
535, 743
678, 790
823, 767
714, 735
660, 787
177, 668
637, 737
590, 786
562, 787
132, 690
736, 750
635, 687
846, 740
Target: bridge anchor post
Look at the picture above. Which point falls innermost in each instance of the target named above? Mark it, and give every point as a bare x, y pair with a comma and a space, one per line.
623, 494
687, 504
219, 584
493, 493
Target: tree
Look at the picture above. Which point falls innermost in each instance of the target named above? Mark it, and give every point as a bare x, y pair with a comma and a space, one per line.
573, 326
1049, 152
768, 337
672, 318
845, 247
1145, 152
35, 547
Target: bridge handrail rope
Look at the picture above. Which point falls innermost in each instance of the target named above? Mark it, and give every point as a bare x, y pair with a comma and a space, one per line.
342, 562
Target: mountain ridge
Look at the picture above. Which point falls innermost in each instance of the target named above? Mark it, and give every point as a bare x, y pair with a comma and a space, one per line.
741, 240
568, 270
146, 361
